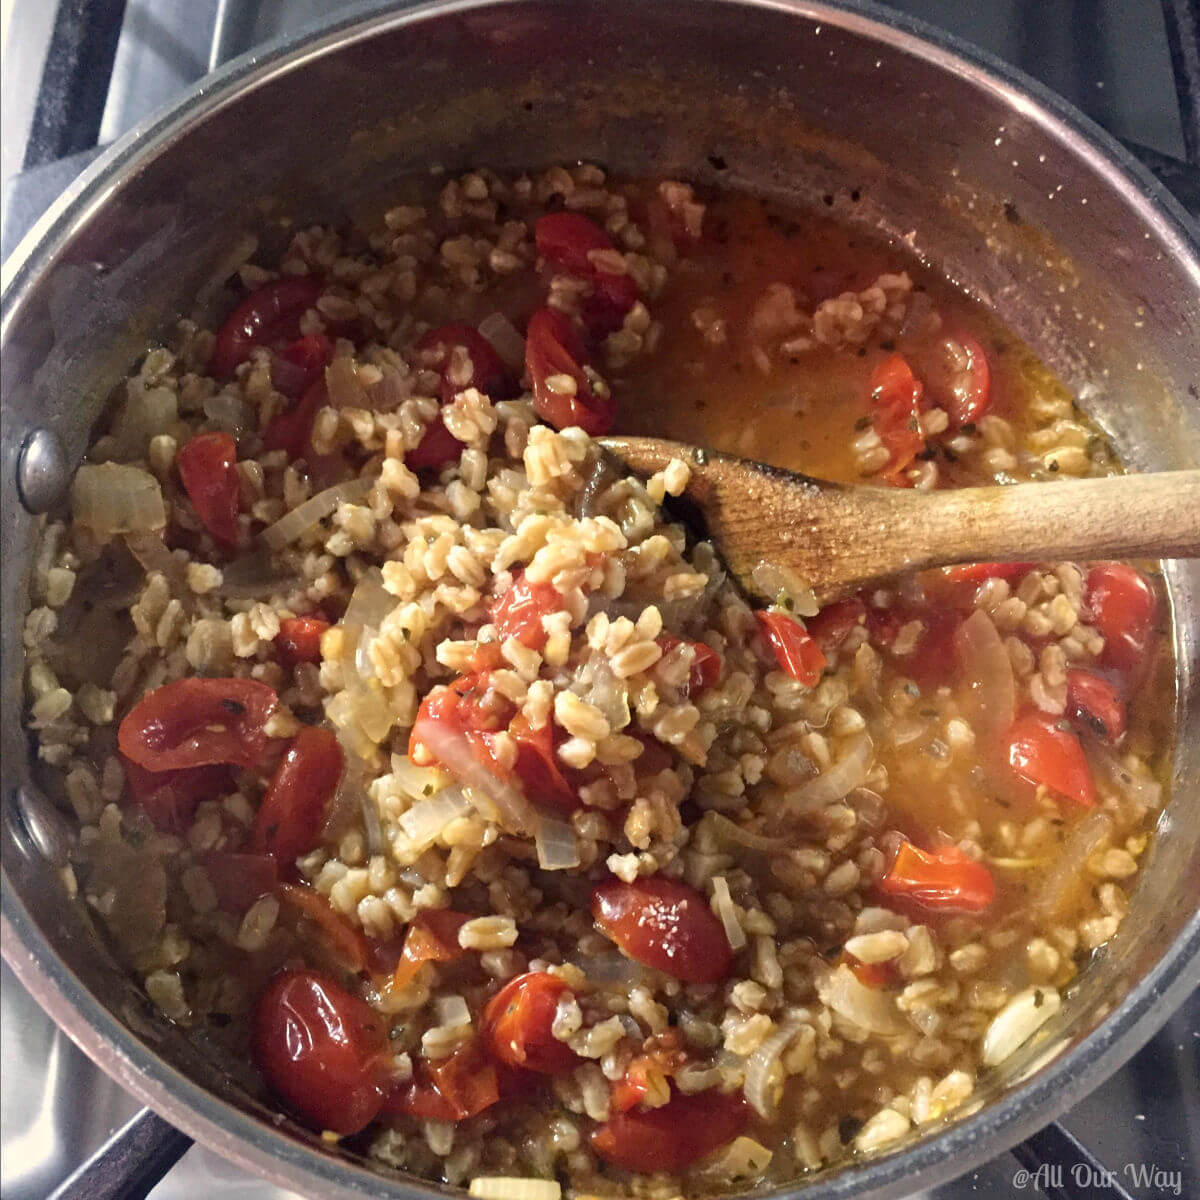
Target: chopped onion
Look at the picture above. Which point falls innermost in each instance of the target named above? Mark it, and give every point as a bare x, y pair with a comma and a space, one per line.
341, 379
254, 576
1144, 790
990, 702
612, 970
870, 1008
742, 1159
451, 748
425, 821
417, 782
154, 557
144, 415
512, 1187
370, 602
598, 685
734, 932
764, 1072
110, 498
505, 339
1065, 879
348, 802
848, 773
372, 826
772, 580
557, 846
726, 831
316, 508
228, 412
452, 1010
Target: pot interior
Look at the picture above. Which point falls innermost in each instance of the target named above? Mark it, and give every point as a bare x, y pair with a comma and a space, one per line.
825, 107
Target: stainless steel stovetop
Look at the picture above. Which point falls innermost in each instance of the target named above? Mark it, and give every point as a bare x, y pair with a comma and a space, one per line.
1112, 58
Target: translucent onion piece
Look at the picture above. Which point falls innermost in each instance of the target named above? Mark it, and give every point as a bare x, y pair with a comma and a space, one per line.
370, 602
870, 1008
347, 803
1142, 789
372, 827
154, 557
743, 1159
557, 845
424, 822
511, 1187
109, 499
228, 412
734, 932
764, 1072
417, 782
341, 379
612, 971
729, 832
990, 700
254, 576
599, 686
316, 508
772, 580
505, 339
1066, 877
452, 1010
848, 773
144, 415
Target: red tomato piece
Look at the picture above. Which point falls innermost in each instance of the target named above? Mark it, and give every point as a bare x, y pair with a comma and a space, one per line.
519, 610
197, 722
239, 879
834, 624
553, 350
661, 1056
970, 384
517, 1020
537, 769
298, 366
706, 662
567, 239
289, 820
980, 572
437, 449
944, 879
291, 431
674, 1136
347, 943
796, 652
664, 924
432, 937
169, 798
270, 313
896, 395
1041, 751
321, 1050
454, 1088
299, 640
1096, 703
451, 349
1123, 608
208, 470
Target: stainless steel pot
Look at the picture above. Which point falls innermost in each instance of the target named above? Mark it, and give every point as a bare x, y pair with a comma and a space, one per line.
1012, 195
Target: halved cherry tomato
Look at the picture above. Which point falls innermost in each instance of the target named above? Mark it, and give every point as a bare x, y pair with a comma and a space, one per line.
660, 1057
270, 313
239, 879
672, 1137
706, 662
454, 1088
796, 652
1094, 701
289, 820
979, 572
567, 239
295, 368
516, 1024
553, 350
1123, 608
437, 448
834, 623
970, 383
896, 395
519, 610
932, 661
664, 924
169, 798
432, 937
321, 1050
541, 778
299, 640
945, 879
1041, 751
347, 943
291, 431
208, 470
196, 722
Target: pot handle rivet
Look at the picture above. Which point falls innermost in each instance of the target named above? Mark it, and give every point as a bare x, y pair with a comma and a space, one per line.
42, 470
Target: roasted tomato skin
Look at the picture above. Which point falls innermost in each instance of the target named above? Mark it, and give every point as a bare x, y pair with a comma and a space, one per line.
568, 240
239, 879
970, 392
553, 350
347, 942
944, 879
271, 312
706, 662
674, 1136
299, 640
432, 937
197, 722
169, 798
1042, 751
796, 652
519, 609
321, 1051
289, 820
454, 1088
896, 395
291, 431
834, 624
208, 469
664, 924
1123, 607
1096, 704
517, 1024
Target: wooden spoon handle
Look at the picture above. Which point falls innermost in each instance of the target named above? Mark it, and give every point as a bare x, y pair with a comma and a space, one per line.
1126, 516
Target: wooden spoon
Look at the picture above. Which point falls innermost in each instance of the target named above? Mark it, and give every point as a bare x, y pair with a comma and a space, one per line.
842, 538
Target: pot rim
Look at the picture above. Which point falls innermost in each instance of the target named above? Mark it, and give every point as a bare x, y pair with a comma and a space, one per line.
288, 1161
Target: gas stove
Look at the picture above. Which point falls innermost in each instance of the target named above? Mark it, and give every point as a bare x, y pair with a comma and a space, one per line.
79, 74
